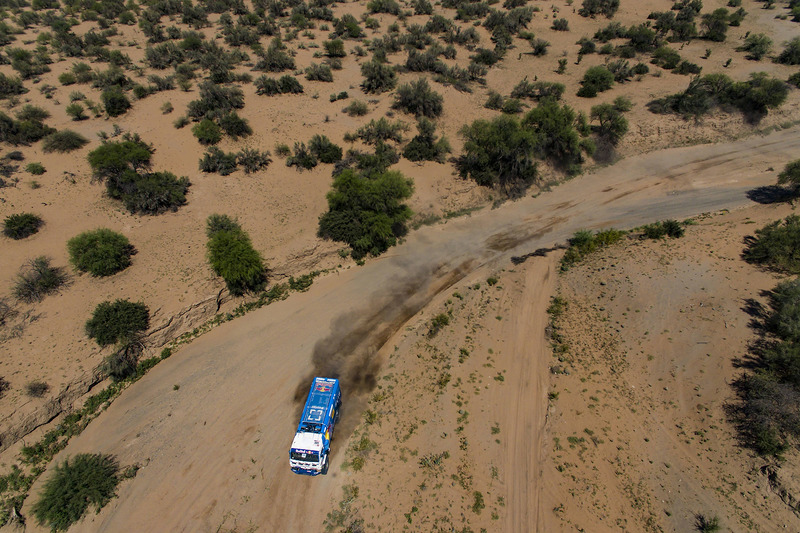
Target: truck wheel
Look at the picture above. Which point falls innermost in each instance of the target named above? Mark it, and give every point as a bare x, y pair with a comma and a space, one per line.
325, 466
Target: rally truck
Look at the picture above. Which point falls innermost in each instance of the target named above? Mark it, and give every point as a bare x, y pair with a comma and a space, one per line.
312, 442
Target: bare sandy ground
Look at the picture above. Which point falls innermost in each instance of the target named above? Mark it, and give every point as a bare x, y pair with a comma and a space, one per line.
638, 438
217, 443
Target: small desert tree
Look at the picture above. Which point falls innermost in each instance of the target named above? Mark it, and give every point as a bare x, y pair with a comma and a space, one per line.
499, 153
790, 174
366, 211
38, 279
233, 257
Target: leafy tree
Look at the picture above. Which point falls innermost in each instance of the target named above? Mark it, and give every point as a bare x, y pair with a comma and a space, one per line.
419, 99
101, 252
38, 279
75, 485
118, 321
21, 225
612, 126
757, 45
367, 212
595, 80
555, 135
776, 246
425, 146
790, 174
233, 257
715, 25
499, 153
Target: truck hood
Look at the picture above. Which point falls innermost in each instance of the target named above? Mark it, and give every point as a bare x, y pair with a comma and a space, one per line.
307, 441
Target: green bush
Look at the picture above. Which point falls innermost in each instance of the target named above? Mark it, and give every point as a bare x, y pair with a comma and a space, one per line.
215, 100
153, 193
317, 72
75, 110
791, 54
380, 130
285, 85
425, 146
595, 80
38, 279
585, 242
419, 99
334, 48
303, 158
324, 150
753, 97
499, 153
75, 485
215, 160
115, 101
612, 126
253, 160
216, 223
119, 321
757, 45
357, 108
101, 252
275, 58
63, 141
378, 77
233, 257
776, 246
235, 126
367, 212
667, 228
207, 132
591, 8
790, 175
21, 225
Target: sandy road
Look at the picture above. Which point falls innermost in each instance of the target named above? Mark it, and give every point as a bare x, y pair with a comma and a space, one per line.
212, 425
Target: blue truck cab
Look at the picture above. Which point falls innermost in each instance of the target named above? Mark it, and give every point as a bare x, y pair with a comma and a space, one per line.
312, 441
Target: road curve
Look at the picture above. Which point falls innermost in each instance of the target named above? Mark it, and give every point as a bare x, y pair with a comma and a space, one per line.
212, 424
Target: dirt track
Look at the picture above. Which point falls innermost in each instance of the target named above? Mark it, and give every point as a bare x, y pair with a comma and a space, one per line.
211, 425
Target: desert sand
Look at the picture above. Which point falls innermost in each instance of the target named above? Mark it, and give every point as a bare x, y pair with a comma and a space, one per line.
210, 426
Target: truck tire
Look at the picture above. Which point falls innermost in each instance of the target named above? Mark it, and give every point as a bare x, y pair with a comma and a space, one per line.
325, 466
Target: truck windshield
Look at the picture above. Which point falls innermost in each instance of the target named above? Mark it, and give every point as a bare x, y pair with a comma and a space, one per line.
309, 457
308, 427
